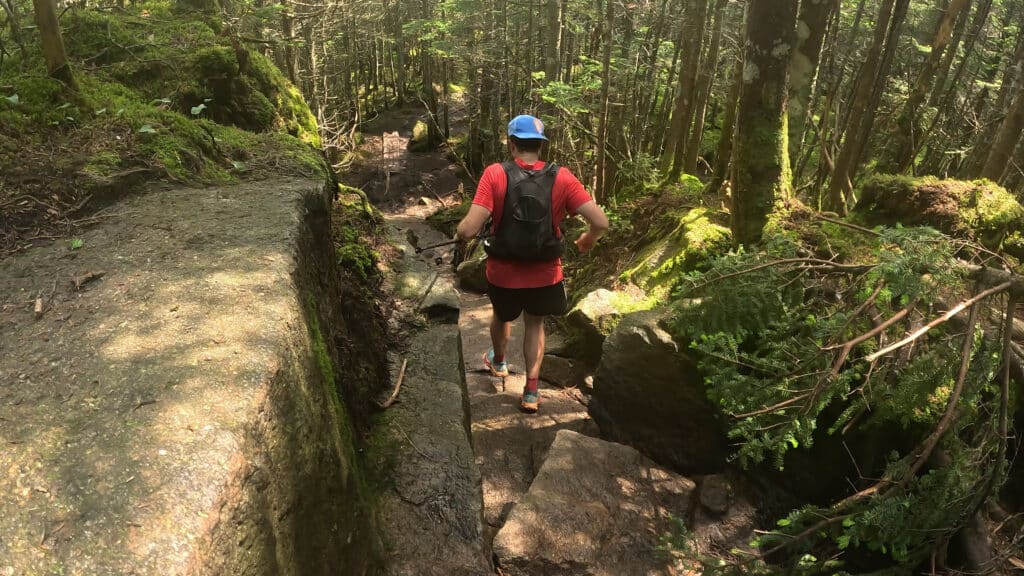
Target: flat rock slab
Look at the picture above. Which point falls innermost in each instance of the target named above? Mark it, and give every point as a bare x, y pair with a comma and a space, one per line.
140, 411
509, 444
595, 508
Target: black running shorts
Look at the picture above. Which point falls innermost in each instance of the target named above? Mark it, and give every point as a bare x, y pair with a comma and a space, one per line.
509, 303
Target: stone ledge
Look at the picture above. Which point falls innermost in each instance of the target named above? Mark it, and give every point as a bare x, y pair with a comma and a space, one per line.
176, 416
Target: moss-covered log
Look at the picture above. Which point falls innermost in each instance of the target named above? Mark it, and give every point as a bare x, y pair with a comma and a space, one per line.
979, 210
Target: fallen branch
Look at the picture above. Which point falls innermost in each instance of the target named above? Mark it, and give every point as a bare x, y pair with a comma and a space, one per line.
951, 404
398, 386
818, 263
847, 225
944, 318
84, 279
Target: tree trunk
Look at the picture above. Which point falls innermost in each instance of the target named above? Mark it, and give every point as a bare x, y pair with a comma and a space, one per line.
840, 185
600, 190
1005, 141
53, 43
904, 140
762, 162
705, 79
899, 14
723, 157
1013, 179
289, 44
693, 22
947, 59
812, 24
659, 138
14, 20
986, 136
553, 32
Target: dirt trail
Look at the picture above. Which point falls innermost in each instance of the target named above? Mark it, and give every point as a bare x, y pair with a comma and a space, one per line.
509, 445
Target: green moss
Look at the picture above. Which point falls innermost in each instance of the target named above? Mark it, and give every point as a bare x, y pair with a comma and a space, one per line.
420, 140
103, 163
979, 209
355, 199
353, 253
993, 208
693, 241
447, 219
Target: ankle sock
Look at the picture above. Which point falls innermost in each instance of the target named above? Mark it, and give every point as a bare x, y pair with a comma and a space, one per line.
499, 357
532, 384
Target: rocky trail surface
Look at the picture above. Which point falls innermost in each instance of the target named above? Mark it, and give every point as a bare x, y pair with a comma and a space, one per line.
552, 498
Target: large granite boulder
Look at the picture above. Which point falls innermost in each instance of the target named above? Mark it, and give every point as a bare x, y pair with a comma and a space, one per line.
596, 315
595, 508
649, 394
559, 371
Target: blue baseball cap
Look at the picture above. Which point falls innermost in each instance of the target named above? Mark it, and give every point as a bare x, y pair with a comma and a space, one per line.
526, 127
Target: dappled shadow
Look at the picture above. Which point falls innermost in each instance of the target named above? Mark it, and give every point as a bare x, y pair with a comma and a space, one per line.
125, 409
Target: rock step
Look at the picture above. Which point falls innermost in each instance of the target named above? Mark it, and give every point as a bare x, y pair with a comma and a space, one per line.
595, 508
430, 502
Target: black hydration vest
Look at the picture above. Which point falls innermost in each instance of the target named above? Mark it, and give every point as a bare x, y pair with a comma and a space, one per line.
526, 231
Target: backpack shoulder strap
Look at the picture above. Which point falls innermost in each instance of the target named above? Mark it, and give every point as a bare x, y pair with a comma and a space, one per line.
514, 173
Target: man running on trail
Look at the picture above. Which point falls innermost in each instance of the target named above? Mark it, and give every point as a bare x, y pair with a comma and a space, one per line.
527, 199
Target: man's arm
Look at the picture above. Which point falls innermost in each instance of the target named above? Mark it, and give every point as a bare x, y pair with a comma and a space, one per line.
595, 216
473, 223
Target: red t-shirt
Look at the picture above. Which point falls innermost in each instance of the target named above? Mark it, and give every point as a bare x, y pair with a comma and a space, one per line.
567, 196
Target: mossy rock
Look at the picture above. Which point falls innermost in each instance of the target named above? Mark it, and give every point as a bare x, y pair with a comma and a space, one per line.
144, 70
693, 241
421, 140
597, 315
447, 219
980, 209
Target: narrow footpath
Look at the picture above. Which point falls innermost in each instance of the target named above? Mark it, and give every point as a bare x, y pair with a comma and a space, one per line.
509, 445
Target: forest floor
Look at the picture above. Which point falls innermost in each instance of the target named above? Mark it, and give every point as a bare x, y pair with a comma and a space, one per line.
509, 444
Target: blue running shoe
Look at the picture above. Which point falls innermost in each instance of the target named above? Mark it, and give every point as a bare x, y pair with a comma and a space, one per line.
530, 401
498, 369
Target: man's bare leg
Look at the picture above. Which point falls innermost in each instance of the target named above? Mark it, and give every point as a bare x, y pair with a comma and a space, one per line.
533, 345
501, 333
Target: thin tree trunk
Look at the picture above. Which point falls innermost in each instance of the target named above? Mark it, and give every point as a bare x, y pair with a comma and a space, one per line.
705, 79
1013, 179
289, 43
762, 162
53, 43
986, 136
899, 14
693, 22
553, 30
950, 55
659, 141
1006, 139
723, 157
840, 185
600, 190
811, 27
14, 20
905, 137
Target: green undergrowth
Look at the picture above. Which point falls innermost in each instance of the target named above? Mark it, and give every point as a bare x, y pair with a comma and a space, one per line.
159, 89
769, 329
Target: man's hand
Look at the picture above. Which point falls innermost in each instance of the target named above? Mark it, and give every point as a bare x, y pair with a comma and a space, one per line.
585, 242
